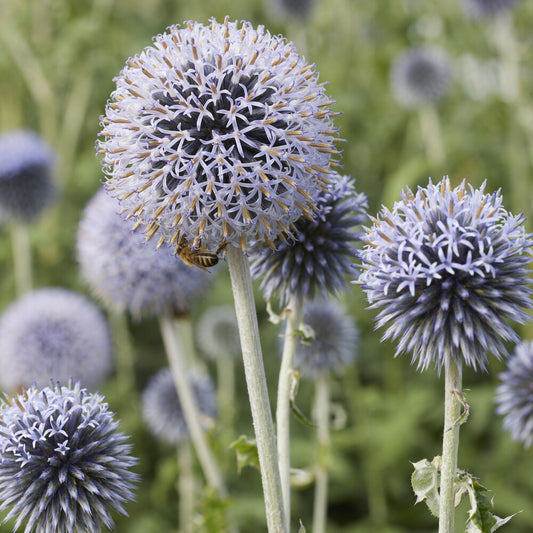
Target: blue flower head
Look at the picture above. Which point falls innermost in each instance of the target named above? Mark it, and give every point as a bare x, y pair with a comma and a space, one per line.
488, 8
26, 176
514, 395
216, 135
53, 333
294, 9
448, 269
420, 76
64, 467
320, 254
129, 274
162, 409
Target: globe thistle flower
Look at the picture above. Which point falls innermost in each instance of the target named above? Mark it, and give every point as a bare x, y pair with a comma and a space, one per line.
162, 409
514, 395
333, 344
218, 332
448, 268
128, 274
64, 466
26, 177
488, 8
217, 134
296, 9
420, 77
54, 334
320, 256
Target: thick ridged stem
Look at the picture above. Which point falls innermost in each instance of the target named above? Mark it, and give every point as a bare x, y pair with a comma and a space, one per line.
22, 268
283, 406
322, 404
450, 447
241, 283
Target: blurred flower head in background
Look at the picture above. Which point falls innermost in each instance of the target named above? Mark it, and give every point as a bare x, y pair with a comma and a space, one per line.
420, 77
161, 406
26, 176
126, 272
448, 268
514, 395
217, 134
64, 465
294, 9
218, 332
333, 345
322, 253
488, 8
53, 333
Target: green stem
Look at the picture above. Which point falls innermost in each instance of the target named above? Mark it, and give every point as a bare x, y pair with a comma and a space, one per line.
450, 447
322, 405
124, 351
226, 397
185, 333
241, 283
430, 130
178, 365
505, 41
22, 267
186, 488
283, 407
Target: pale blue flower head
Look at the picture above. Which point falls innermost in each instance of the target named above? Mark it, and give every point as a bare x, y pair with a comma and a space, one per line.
420, 76
294, 9
333, 342
218, 332
319, 255
217, 134
448, 269
26, 176
514, 395
53, 333
64, 466
161, 406
129, 274
488, 8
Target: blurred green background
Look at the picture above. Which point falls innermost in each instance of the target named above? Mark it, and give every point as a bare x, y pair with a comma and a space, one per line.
57, 63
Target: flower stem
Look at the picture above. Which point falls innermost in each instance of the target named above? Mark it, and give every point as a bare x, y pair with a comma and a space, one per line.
21, 258
283, 408
124, 351
430, 130
241, 283
450, 446
323, 440
186, 488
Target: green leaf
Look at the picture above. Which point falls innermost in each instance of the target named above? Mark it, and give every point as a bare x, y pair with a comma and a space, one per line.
302, 528
425, 483
293, 391
246, 452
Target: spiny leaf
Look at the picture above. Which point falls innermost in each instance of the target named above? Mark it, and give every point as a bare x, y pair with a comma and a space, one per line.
424, 481
293, 391
246, 452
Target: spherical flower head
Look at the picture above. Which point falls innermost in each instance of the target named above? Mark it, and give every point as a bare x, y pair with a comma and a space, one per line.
333, 343
320, 255
448, 268
64, 467
129, 274
514, 395
295, 9
53, 333
488, 8
26, 177
218, 332
420, 77
161, 406
217, 134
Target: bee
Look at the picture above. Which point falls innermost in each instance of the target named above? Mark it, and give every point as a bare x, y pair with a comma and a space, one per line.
200, 258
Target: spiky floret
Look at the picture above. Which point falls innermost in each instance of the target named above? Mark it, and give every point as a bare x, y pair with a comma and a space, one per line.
321, 255
488, 8
448, 268
162, 409
420, 76
218, 332
53, 333
333, 344
26, 176
128, 274
64, 467
217, 134
514, 395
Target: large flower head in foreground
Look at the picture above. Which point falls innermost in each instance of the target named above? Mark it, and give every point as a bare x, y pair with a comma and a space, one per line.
217, 134
514, 395
321, 254
126, 272
162, 409
488, 8
26, 176
64, 467
420, 76
333, 345
448, 268
53, 333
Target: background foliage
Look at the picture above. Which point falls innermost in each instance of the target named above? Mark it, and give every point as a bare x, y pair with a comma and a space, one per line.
57, 62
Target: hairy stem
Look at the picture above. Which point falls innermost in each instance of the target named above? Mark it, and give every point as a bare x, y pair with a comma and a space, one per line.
241, 283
